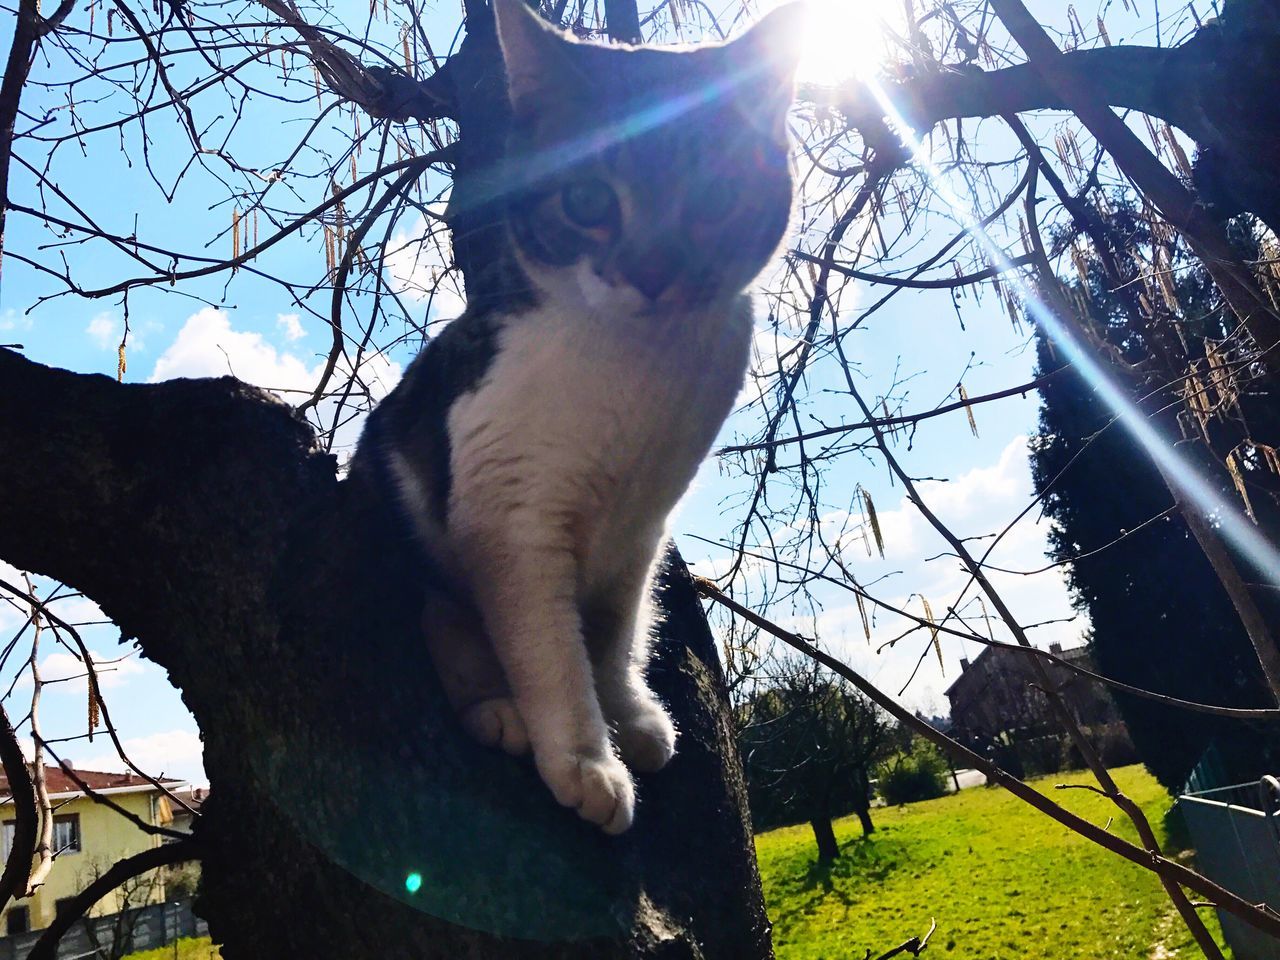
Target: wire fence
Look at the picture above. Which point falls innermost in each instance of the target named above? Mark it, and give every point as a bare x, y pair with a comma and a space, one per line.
144, 928
1236, 832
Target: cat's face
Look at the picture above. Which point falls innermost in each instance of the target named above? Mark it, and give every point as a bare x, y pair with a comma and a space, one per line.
647, 178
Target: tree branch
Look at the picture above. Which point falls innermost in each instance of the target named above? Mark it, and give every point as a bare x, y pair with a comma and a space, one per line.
21, 51
1162, 866
18, 867
287, 608
1178, 205
46, 948
1137, 78
622, 20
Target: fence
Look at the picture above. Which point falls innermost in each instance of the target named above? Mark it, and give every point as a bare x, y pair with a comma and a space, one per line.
142, 928
1236, 831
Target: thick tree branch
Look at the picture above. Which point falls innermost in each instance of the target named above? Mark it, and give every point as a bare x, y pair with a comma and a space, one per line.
97, 471
1216, 87
1139, 78
26, 31
286, 607
379, 91
622, 20
1178, 205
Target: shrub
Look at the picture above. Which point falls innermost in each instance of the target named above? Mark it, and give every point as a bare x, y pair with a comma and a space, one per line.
1114, 745
920, 774
1046, 755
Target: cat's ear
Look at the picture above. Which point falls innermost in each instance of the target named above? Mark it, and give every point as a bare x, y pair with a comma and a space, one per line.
766, 57
532, 50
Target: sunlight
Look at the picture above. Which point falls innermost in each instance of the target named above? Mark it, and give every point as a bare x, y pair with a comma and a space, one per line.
844, 40
1225, 514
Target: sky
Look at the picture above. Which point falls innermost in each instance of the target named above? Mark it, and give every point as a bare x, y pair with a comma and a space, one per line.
254, 330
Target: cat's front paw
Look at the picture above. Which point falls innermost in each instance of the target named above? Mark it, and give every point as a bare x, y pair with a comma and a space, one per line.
598, 787
647, 738
497, 723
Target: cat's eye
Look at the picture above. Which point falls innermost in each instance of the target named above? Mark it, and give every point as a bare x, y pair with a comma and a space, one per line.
589, 203
715, 201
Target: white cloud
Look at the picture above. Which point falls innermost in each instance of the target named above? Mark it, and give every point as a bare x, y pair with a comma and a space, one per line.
980, 501
171, 753
10, 616
78, 610
10, 573
290, 326
209, 346
415, 266
104, 330
67, 675
10, 319
974, 503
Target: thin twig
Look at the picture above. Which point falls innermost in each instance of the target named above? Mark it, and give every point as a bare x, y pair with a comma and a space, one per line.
1157, 863
46, 948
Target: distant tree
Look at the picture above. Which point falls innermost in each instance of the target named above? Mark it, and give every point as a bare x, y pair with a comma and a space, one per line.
1161, 619
112, 936
809, 744
916, 771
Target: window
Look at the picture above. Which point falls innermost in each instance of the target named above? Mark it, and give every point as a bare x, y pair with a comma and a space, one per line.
66, 834
9, 827
17, 920
62, 905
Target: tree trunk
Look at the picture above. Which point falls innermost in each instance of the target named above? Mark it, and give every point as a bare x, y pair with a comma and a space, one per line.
828, 849
864, 818
285, 606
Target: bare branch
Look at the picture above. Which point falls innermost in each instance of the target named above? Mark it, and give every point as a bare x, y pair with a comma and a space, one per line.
46, 948
1165, 868
17, 868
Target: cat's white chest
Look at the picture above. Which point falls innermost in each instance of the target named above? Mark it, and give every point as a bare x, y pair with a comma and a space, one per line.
601, 422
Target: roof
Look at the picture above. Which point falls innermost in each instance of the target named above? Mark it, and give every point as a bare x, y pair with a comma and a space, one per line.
61, 786
1080, 652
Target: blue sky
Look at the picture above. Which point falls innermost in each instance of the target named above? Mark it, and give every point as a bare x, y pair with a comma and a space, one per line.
253, 328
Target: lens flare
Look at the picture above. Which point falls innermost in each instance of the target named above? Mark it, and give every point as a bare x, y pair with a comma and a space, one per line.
413, 882
844, 40
1235, 528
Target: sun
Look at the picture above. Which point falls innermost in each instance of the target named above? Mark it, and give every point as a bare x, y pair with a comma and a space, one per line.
844, 40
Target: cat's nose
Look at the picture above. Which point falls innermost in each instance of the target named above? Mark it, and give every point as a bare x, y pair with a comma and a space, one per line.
653, 271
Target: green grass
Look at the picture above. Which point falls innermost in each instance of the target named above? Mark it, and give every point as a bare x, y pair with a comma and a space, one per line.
1002, 880
189, 948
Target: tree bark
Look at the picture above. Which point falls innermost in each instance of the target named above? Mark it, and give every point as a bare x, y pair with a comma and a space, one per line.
864, 818
622, 20
828, 849
285, 606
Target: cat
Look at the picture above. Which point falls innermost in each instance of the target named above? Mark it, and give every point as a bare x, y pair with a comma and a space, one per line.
538, 444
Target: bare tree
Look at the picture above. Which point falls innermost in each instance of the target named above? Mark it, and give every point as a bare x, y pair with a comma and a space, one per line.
210, 524
809, 745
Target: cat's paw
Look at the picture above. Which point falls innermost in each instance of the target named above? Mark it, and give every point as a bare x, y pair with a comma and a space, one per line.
497, 723
646, 739
598, 787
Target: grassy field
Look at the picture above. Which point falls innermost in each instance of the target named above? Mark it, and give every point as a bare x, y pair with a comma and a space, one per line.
188, 948
1002, 880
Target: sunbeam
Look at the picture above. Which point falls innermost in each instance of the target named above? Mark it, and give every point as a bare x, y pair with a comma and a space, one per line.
844, 40
1235, 527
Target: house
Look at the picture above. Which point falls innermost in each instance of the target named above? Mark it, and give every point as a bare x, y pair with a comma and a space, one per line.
88, 837
186, 807
998, 694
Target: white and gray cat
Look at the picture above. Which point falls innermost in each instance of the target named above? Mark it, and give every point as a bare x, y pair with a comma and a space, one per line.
538, 447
